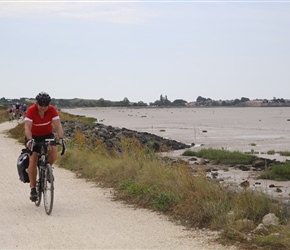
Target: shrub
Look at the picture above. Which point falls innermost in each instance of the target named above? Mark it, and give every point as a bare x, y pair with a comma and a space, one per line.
271, 152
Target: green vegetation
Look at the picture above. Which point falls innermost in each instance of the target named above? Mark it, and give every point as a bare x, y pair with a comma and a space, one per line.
76, 102
4, 116
221, 156
77, 118
163, 101
139, 176
18, 132
285, 153
282, 153
271, 152
278, 172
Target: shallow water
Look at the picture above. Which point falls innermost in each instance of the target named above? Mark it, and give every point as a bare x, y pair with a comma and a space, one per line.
244, 129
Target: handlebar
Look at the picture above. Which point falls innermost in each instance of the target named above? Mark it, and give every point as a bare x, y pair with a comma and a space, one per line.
46, 142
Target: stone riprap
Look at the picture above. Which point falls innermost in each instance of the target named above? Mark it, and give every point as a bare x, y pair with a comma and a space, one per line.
110, 135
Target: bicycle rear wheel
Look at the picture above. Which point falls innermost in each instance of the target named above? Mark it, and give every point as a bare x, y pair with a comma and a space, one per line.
48, 189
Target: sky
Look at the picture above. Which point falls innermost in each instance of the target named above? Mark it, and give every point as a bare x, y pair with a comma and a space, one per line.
141, 50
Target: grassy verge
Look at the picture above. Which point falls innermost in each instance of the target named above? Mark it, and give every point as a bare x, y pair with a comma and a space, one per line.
4, 116
140, 177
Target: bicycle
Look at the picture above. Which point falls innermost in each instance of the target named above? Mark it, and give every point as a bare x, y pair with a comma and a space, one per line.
45, 178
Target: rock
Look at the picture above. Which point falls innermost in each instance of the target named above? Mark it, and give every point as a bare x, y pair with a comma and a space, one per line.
260, 163
245, 184
270, 220
214, 175
260, 229
111, 135
244, 168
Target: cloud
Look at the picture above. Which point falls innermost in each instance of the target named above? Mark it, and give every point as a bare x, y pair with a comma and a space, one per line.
113, 12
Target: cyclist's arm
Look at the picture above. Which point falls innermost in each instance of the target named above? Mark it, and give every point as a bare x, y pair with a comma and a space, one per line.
58, 127
27, 127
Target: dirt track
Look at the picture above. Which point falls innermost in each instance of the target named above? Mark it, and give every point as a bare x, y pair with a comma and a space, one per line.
84, 216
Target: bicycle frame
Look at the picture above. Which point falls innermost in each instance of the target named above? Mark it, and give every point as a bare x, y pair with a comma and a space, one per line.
45, 180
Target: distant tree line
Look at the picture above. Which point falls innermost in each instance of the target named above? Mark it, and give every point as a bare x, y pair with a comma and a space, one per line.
76, 102
163, 101
244, 101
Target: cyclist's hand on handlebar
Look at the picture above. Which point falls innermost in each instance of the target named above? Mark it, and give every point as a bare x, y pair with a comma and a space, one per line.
29, 144
62, 142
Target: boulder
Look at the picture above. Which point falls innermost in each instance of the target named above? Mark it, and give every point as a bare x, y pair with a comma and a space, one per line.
270, 220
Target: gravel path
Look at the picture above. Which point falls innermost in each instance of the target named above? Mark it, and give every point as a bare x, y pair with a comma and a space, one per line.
84, 216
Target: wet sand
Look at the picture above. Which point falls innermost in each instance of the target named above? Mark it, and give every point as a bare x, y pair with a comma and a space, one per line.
243, 129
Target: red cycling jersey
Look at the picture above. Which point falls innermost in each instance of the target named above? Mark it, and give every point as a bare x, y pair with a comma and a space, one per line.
41, 127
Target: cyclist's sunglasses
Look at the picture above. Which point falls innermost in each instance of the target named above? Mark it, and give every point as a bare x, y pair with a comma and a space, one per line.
43, 104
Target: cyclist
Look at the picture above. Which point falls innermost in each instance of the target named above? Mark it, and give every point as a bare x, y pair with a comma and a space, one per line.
40, 119
17, 110
24, 108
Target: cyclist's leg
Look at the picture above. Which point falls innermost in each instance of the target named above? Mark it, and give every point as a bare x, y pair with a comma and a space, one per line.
32, 172
52, 154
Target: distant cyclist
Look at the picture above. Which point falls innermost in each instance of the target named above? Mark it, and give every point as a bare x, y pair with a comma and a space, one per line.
11, 113
40, 119
24, 109
17, 110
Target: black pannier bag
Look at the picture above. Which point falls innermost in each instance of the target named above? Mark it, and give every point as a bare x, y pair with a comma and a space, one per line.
22, 165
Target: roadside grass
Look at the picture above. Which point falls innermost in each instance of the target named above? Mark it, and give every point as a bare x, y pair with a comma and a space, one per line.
270, 241
18, 132
140, 177
4, 116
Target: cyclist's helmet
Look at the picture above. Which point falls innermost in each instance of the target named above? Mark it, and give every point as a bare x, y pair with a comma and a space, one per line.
43, 99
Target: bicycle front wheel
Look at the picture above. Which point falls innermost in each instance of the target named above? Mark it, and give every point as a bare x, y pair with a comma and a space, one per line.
48, 189
39, 184
39, 192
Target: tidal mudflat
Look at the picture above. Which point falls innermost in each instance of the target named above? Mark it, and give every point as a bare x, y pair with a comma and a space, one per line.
244, 129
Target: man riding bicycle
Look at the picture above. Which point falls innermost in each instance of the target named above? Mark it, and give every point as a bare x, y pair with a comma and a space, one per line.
40, 119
